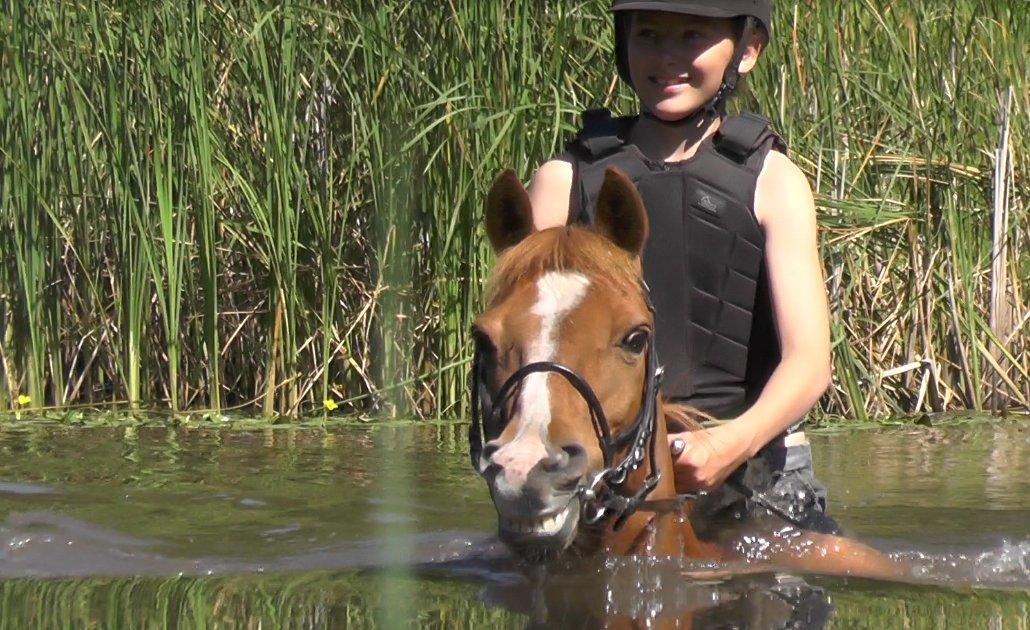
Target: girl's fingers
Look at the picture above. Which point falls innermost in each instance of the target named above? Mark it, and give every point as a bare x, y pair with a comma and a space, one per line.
678, 446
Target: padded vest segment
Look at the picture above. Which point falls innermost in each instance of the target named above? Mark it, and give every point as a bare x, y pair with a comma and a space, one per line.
704, 258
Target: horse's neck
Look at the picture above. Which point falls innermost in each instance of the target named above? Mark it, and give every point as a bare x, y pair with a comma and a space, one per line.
658, 533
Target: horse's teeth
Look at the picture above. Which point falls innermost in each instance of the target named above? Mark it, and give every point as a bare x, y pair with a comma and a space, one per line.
547, 525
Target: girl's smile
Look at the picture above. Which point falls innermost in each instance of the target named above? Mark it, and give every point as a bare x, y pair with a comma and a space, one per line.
671, 85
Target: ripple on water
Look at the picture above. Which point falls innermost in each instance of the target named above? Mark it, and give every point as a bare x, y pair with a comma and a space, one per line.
24, 489
165, 502
1006, 566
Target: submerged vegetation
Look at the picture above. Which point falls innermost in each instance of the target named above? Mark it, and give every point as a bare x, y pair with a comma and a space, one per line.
355, 600
276, 205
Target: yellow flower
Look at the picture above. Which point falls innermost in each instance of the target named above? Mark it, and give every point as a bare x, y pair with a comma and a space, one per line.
330, 404
24, 400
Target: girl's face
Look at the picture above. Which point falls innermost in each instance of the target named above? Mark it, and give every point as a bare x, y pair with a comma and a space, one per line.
677, 61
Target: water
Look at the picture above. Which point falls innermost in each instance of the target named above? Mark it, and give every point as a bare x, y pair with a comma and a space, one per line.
153, 527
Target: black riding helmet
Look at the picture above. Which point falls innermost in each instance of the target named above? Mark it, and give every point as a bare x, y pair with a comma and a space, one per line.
756, 14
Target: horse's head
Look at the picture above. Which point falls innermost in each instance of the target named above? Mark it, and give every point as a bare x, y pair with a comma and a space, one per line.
565, 375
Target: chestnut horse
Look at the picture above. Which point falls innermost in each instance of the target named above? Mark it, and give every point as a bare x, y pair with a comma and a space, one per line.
569, 430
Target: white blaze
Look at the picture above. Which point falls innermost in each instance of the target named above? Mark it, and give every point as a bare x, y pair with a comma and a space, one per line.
558, 293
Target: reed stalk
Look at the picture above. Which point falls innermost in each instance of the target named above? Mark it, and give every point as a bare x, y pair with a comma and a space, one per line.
271, 204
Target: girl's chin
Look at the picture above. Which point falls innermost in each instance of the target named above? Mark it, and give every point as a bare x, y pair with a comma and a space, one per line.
671, 114
676, 107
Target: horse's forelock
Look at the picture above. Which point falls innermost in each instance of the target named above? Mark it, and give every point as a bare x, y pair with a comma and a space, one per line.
564, 249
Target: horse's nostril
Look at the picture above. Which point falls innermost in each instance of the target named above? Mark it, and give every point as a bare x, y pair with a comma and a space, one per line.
554, 463
575, 452
566, 474
489, 450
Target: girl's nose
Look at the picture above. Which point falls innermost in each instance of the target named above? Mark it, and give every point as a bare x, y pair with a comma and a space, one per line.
667, 49
672, 52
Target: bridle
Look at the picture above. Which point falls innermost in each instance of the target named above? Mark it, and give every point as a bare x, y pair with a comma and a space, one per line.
604, 495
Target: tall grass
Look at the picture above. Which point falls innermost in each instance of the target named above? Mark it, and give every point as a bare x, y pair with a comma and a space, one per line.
273, 204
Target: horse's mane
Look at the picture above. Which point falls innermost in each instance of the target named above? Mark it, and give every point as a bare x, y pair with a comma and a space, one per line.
569, 248
680, 417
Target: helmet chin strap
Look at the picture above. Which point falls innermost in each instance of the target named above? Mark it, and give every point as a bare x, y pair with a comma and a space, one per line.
716, 106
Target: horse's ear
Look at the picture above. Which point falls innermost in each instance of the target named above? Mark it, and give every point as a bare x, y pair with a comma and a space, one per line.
509, 215
621, 216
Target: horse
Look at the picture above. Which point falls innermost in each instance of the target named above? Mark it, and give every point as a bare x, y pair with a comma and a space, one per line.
569, 426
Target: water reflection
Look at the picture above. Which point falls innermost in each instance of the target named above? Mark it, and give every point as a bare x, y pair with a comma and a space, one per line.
297, 527
352, 600
658, 593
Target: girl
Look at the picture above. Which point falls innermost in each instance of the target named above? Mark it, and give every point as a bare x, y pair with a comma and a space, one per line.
742, 324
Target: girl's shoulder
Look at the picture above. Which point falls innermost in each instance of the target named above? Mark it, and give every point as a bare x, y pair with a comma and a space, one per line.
782, 192
552, 194
550, 191
746, 136
779, 164
600, 133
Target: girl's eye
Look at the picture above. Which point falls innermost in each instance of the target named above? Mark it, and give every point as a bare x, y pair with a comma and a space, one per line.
646, 33
636, 341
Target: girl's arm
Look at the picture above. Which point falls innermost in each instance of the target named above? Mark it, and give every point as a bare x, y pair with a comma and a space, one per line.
549, 194
786, 211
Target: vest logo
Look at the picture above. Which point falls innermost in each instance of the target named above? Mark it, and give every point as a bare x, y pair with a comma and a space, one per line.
708, 202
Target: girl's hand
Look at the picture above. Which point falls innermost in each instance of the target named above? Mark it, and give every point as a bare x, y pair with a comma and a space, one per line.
703, 459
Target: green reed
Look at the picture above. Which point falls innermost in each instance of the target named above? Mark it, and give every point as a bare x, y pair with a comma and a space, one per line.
274, 204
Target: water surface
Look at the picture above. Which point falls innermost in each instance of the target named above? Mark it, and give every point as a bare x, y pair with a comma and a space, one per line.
387, 525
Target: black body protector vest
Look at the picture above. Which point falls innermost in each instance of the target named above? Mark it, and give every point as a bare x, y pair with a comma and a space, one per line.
704, 260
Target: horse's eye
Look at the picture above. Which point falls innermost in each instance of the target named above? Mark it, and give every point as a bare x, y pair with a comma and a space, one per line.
636, 341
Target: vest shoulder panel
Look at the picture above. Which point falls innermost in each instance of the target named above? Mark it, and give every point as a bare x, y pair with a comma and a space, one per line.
705, 255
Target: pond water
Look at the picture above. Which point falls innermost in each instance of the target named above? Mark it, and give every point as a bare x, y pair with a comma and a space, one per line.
387, 526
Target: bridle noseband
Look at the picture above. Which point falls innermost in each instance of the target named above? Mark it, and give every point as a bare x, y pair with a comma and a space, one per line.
603, 496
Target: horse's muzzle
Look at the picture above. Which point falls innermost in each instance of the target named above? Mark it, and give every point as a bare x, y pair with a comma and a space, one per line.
539, 511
